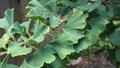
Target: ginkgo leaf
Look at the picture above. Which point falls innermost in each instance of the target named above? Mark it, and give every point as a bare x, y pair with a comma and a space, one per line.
90, 7
7, 21
40, 12
114, 37
17, 28
26, 25
2, 44
8, 65
4, 40
40, 31
16, 50
75, 24
25, 64
40, 57
98, 25
61, 45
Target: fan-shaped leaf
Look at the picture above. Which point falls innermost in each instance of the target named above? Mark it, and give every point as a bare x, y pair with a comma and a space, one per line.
40, 57
61, 45
75, 24
15, 50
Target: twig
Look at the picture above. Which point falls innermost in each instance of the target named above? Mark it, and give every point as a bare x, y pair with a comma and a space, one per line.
22, 43
3, 53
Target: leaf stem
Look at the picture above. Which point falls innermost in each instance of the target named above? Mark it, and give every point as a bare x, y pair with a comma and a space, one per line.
3, 61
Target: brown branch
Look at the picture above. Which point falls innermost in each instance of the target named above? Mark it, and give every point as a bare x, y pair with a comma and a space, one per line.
3, 53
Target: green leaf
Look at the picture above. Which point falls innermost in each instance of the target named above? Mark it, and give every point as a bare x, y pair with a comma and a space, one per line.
17, 28
2, 43
116, 8
8, 65
83, 44
98, 25
58, 63
36, 10
40, 12
61, 45
4, 40
16, 50
51, 5
82, 2
9, 15
26, 25
75, 24
115, 1
54, 21
117, 54
90, 7
114, 37
25, 64
7, 21
40, 31
40, 57
101, 10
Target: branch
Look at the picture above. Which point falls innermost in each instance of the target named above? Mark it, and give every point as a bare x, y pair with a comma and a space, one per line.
22, 43
3, 53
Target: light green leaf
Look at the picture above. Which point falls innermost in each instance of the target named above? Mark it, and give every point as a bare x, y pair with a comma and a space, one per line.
25, 64
83, 44
40, 31
54, 21
75, 24
40, 57
9, 15
7, 21
61, 45
26, 25
4, 40
16, 50
51, 5
2, 43
8, 65
90, 7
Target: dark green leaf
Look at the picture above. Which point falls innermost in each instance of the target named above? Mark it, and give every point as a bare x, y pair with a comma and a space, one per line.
114, 37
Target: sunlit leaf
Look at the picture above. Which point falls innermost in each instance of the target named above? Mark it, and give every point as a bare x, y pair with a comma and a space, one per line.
16, 50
